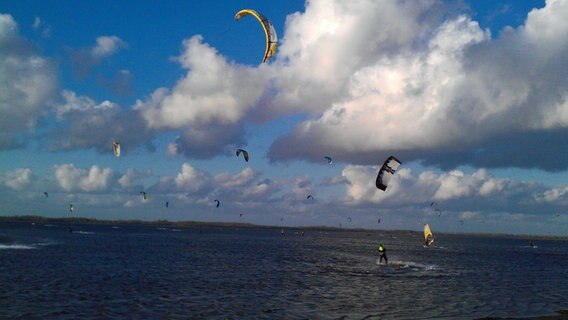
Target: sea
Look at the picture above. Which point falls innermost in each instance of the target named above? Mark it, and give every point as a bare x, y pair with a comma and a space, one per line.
210, 272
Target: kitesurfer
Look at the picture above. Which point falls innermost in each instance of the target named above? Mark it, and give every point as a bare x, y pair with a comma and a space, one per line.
383, 254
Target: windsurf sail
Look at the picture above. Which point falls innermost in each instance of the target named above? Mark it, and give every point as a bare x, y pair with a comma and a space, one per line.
428, 236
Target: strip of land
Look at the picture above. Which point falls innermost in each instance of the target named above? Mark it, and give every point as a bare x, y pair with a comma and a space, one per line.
189, 224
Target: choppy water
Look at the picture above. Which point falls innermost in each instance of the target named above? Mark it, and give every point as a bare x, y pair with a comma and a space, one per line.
229, 273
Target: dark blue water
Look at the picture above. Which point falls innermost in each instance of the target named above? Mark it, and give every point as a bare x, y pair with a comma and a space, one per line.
101, 272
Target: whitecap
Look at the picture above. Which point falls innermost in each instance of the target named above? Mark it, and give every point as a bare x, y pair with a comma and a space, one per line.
408, 265
16, 247
83, 232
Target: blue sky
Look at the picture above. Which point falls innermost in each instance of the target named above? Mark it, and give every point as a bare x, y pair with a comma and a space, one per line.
469, 95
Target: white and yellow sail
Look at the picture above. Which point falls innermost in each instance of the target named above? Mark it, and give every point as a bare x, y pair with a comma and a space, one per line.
428, 236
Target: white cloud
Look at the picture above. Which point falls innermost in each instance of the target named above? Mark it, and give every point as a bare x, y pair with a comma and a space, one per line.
243, 178
262, 191
190, 179
412, 79
72, 102
27, 83
213, 92
469, 214
18, 179
71, 178
133, 178
553, 195
84, 123
83, 60
423, 88
428, 186
107, 46
207, 104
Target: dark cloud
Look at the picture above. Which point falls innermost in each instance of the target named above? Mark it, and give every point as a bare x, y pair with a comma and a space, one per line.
97, 127
204, 142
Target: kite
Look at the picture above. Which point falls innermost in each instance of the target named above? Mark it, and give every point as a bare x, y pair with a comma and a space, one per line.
116, 148
386, 172
245, 154
269, 31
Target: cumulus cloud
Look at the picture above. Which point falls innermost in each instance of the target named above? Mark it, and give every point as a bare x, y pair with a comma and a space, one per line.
71, 178
440, 91
554, 195
243, 178
85, 59
450, 190
133, 178
27, 83
18, 179
188, 180
213, 91
376, 78
245, 189
84, 123
207, 104
205, 142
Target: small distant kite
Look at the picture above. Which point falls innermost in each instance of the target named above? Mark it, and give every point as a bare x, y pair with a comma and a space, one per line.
144, 195
349, 219
439, 212
71, 207
310, 197
328, 159
245, 154
217, 203
379, 220
46, 194
167, 204
116, 148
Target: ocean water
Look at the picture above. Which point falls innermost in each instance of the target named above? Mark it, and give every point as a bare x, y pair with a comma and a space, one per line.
143, 272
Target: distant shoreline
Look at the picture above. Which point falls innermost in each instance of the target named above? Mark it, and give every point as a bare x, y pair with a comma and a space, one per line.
185, 224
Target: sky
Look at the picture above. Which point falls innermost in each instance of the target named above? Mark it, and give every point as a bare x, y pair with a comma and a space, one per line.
471, 97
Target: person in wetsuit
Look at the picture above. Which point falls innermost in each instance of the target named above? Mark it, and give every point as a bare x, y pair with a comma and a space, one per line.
428, 242
383, 254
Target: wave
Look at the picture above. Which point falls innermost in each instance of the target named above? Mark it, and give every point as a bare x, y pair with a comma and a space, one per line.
27, 246
408, 265
16, 247
83, 232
